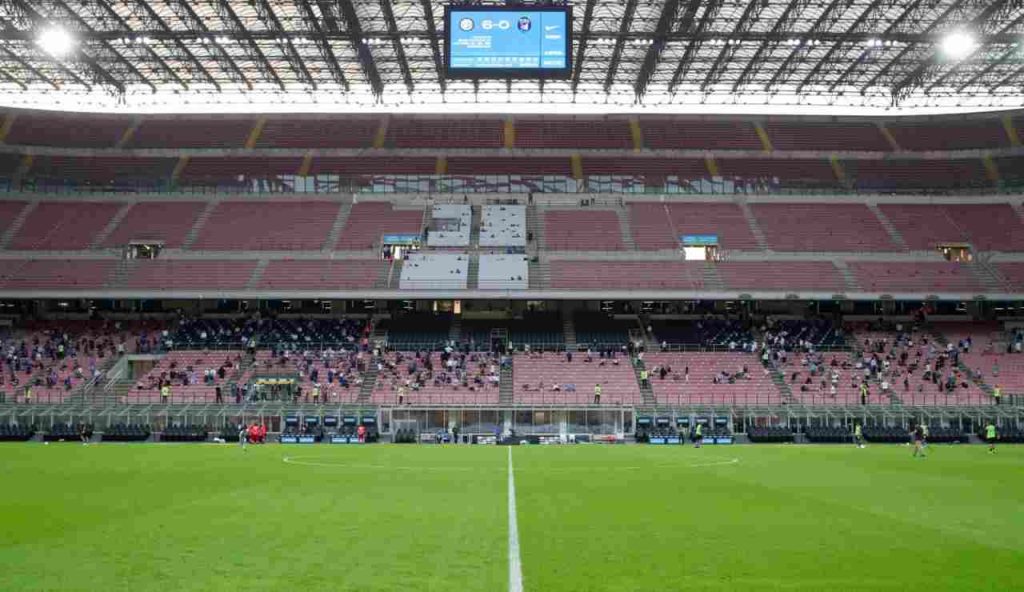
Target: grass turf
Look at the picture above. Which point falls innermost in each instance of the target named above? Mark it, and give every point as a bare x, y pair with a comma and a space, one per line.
183, 517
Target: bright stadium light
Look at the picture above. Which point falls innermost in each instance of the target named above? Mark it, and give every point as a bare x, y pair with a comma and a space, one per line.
56, 42
958, 45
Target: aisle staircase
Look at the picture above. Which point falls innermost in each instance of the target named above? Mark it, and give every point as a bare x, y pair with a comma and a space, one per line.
473, 273
506, 388
474, 228
710, 277
646, 391
17, 223
204, 217
97, 241
569, 333
339, 224
894, 234
849, 279
755, 227
625, 228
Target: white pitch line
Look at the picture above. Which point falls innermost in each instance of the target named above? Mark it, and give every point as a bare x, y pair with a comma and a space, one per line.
515, 564
304, 461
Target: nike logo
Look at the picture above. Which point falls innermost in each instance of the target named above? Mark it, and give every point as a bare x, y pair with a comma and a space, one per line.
550, 27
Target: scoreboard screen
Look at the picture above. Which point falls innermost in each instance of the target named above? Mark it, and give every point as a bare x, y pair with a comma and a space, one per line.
502, 42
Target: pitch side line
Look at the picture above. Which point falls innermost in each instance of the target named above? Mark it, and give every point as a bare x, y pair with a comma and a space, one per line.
515, 566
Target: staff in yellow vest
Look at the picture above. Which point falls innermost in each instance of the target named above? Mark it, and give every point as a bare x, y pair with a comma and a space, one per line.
597, 394
165, 393
997, 394
28, 394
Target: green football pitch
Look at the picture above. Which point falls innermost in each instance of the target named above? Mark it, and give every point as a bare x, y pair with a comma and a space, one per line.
419, 518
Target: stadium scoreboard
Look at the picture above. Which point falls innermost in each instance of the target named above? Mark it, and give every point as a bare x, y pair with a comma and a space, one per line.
508, 41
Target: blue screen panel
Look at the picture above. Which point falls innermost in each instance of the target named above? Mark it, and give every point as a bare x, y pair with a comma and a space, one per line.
500, 42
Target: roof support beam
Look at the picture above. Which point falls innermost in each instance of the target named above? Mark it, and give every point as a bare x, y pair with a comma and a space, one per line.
149, 49
351, 20
906, 85
577, 66
858, 26
266, 14
696, 39
435, 46
324, 44
396, 43
253, 50
160, 22
650, 63
980, 21
32, 69
183, 10
620, 42
781, 24
38, 20
750, 14
825, 20
106, 45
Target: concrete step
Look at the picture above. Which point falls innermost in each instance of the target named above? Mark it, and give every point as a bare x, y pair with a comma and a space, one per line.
257, 273
201, 221
755, 228
474, 230
626, 229
535, 226
109, 228
339, 223
888, 225
473, 273
506, 388
849, 279
712, 281
18, 222
569, 332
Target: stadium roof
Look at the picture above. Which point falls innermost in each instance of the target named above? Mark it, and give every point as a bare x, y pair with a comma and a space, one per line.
379, 53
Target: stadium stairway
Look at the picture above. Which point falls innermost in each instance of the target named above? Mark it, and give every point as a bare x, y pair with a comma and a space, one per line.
848, 278
201, 221
1019, 208
17, 223
887, 224
455, 329
474, 232
711, 279
339, 224
940, 338
646, 391
120, 275
569, 333
987, 277
257, 274
392, 275
625, 228
538, 273
755, 228
369, 382
779, 380
97, 240
473, 272
506, 388
534, 227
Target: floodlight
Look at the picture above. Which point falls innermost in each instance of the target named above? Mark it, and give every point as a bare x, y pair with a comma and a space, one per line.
958, 45
56, 42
